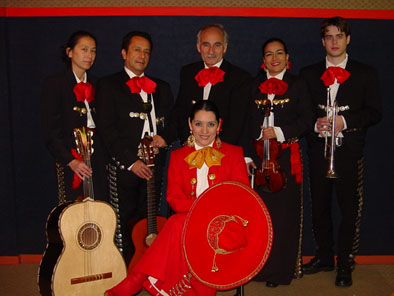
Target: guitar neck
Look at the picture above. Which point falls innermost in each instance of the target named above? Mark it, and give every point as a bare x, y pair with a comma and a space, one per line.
88, 183
151, 204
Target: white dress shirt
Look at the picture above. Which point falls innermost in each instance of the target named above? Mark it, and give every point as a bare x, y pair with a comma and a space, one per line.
207, 87
202, 175
144, 97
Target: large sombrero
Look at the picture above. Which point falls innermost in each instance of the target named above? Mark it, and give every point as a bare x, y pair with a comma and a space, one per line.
227, 235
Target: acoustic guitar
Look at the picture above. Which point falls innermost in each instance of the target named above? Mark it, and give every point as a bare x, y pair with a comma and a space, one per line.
145, 231
81, 258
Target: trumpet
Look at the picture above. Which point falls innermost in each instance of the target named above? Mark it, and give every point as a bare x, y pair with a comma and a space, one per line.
331, 141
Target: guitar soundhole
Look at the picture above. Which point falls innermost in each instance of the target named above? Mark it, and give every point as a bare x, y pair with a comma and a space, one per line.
89, 236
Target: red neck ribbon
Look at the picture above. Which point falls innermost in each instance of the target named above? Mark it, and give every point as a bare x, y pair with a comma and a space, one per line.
136, 84
331, 73
213, 75
273, 86
84, 91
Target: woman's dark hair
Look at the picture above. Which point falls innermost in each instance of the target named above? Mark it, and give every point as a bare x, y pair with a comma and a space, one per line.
72, 41
205, 105
274, 40
127, 39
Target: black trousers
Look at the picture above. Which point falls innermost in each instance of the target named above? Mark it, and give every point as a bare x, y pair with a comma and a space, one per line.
348, 189
132, 207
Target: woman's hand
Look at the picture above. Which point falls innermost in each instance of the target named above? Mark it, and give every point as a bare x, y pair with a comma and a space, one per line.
250, 165
268, 133
80, 168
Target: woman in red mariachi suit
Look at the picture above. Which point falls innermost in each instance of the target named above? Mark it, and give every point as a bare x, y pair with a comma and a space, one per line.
203, 162
68, 103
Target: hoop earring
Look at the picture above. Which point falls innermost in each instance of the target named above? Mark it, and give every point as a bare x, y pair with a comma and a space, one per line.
191, 140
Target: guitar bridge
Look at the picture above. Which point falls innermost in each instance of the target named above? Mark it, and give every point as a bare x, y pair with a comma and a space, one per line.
91, 278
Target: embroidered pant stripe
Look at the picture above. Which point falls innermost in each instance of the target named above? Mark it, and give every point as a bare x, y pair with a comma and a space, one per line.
114, 201
61, 191
356, 239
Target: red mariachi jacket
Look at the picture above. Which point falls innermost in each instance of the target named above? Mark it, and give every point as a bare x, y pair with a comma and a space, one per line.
181, 189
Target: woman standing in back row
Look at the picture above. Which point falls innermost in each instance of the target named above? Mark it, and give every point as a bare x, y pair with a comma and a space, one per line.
68, 103
279, 116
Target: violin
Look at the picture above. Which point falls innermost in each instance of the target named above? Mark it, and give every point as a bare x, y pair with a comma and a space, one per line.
269, 175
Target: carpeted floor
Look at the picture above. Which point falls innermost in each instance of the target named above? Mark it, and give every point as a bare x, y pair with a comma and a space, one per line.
368, 280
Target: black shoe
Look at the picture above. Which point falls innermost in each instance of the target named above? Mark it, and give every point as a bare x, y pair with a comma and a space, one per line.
315, 266
344, 277
271, 284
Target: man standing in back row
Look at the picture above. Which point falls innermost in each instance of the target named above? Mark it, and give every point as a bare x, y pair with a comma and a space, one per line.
213, 79
355, 88
129, 105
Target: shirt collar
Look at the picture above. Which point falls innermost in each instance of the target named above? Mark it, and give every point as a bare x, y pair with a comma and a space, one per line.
85, 78
131, 73
198, 147
342, 65
216, 65
279, 76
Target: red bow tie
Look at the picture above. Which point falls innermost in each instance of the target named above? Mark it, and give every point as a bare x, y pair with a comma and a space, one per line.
331, 73
212, 75
137, 83
273, 86
84, 91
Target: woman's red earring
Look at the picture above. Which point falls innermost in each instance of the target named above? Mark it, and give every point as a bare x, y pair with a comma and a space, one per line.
288, 65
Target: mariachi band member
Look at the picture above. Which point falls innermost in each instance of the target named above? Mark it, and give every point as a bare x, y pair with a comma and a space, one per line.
355, 89
215, 79
131, 104
68, 102
280, 101
203, 162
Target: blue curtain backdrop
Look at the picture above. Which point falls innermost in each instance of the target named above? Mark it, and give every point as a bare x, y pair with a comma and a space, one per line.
30, 51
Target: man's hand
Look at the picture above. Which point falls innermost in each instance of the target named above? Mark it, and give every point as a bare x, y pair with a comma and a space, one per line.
158, 142
323, 124
141, 170
80, 168
339, 124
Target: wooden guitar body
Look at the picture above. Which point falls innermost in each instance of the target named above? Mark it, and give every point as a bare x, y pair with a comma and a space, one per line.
145, 230
89, 262
142, 240
81, 258
52, 252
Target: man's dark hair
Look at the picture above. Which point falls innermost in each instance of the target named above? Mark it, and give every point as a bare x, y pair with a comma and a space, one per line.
336, 21
127, 39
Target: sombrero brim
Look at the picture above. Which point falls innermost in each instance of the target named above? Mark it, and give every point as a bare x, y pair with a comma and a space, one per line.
227, 198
